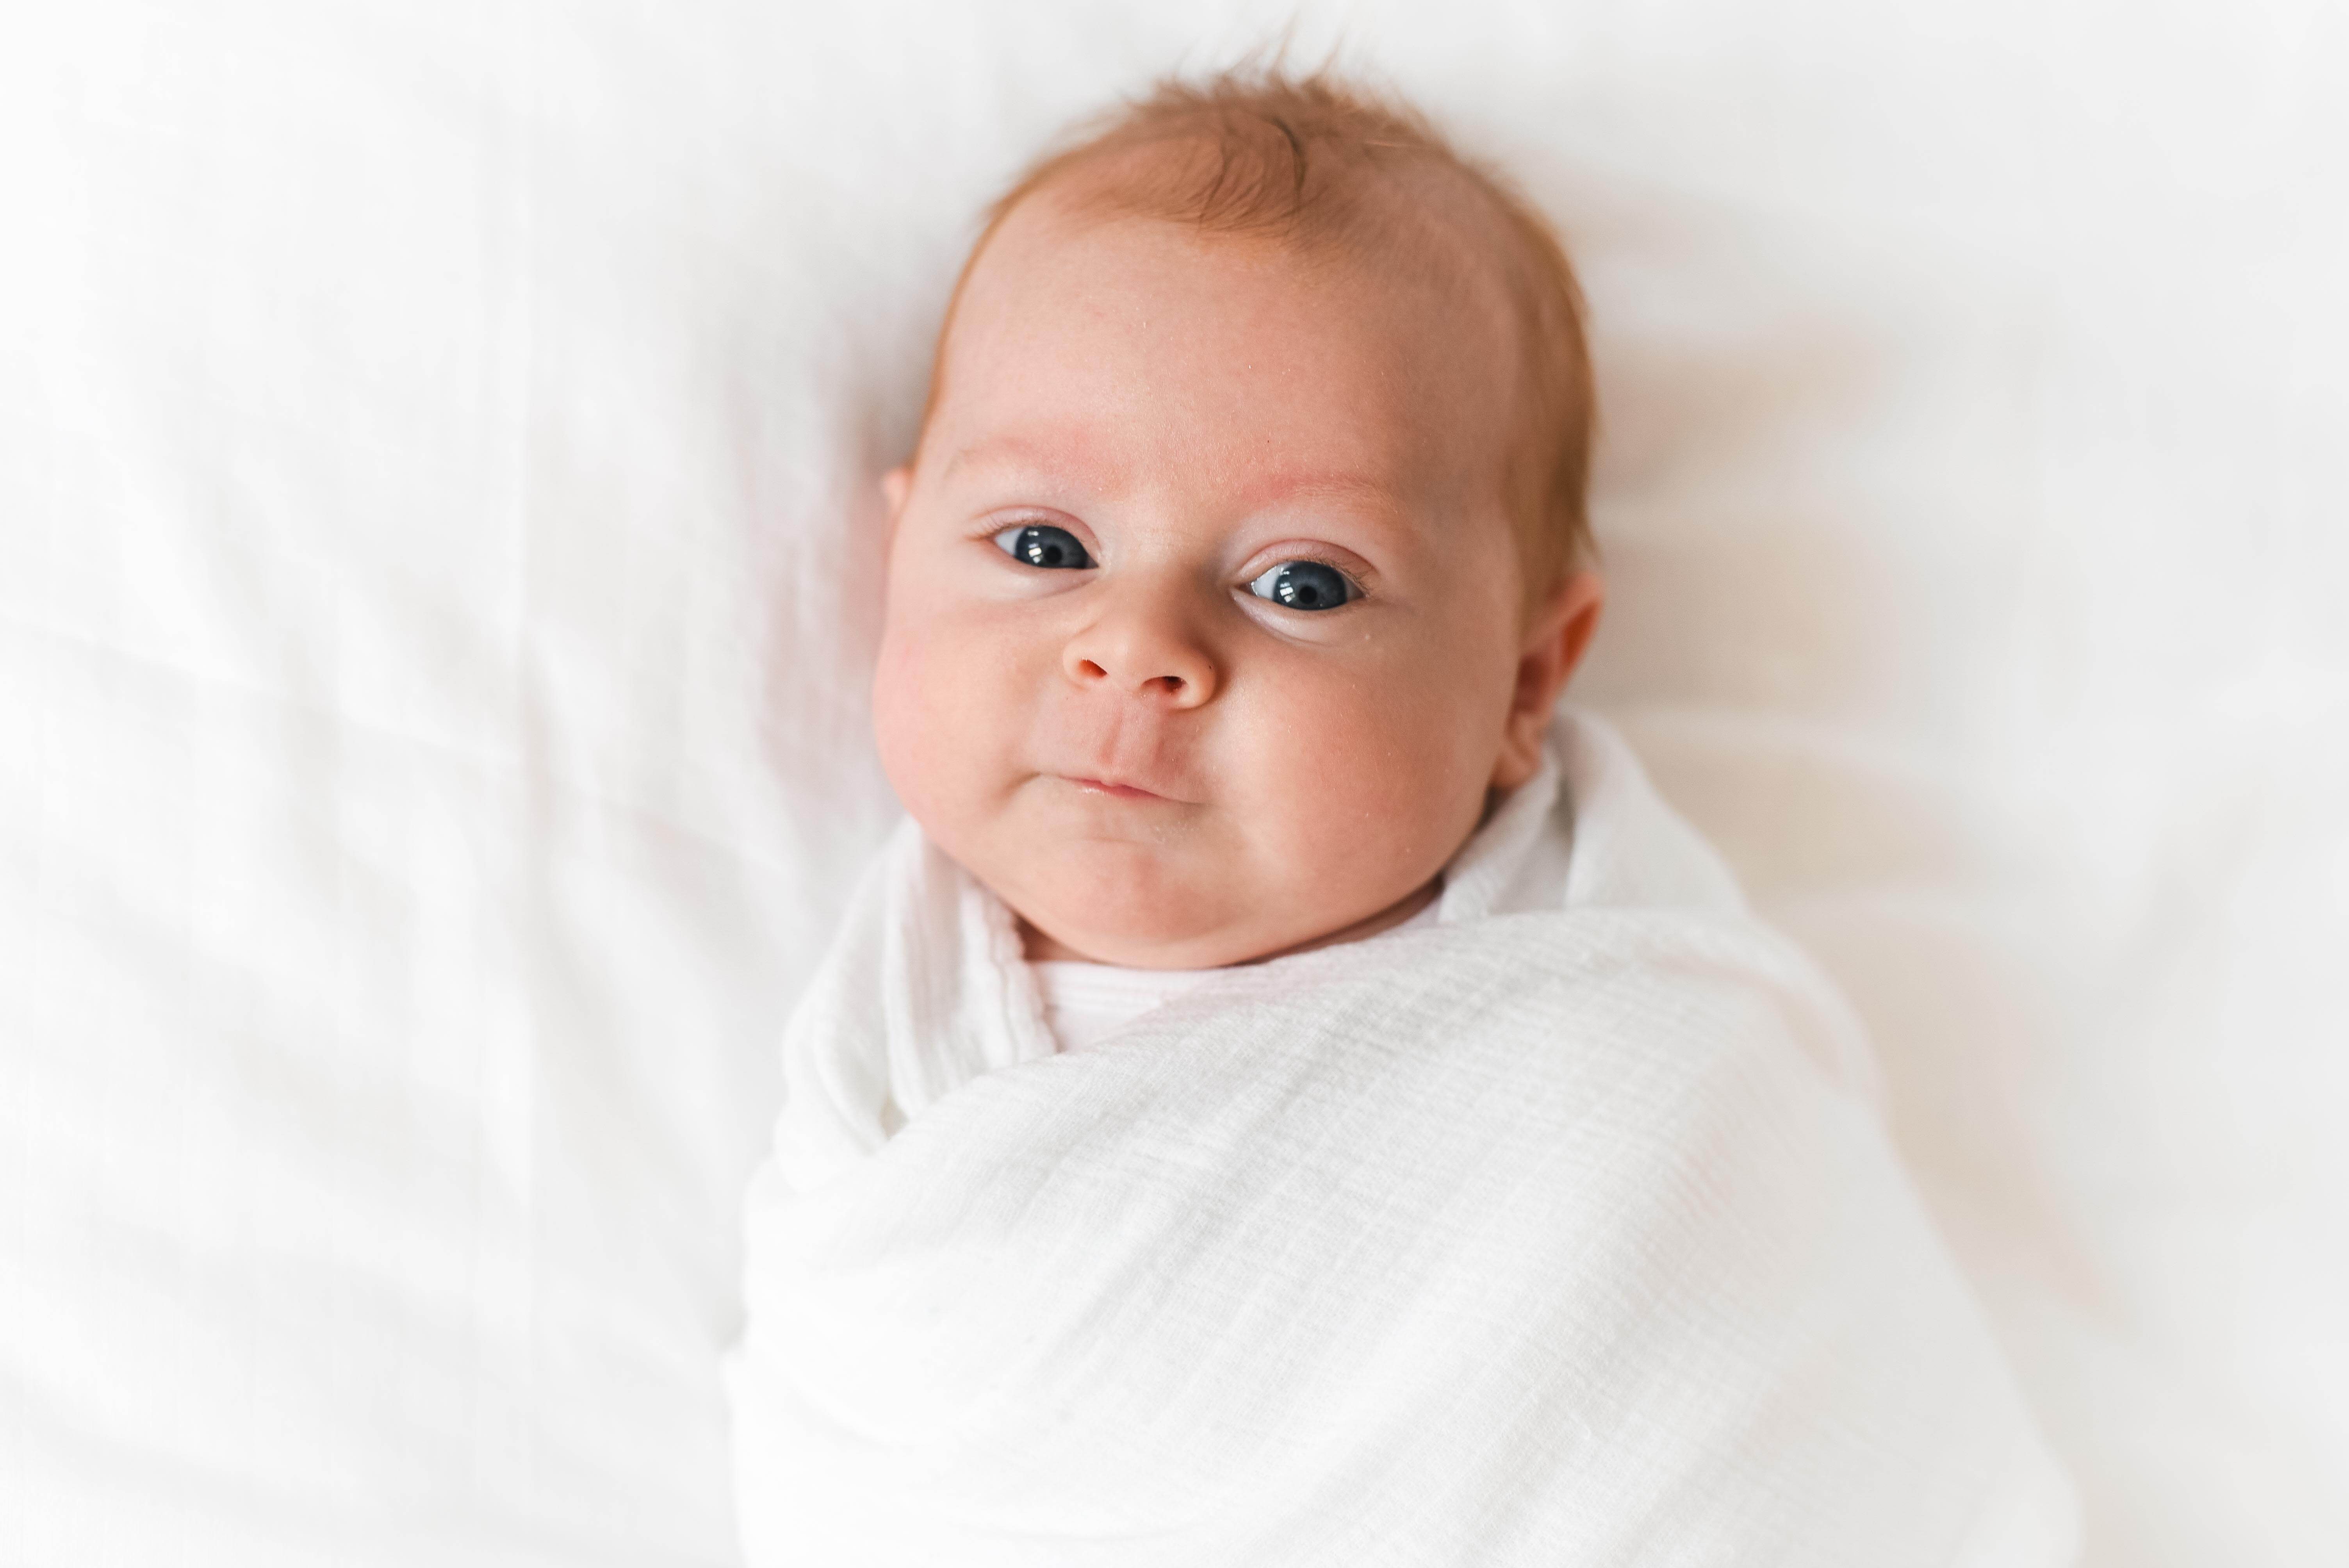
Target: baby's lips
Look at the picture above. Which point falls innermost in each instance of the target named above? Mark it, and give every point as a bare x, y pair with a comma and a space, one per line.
1119, 785
1117, 792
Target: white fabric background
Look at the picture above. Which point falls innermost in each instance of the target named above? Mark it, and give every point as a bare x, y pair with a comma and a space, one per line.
437, 570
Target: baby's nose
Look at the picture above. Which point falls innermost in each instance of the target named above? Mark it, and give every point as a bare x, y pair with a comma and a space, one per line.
1142, 657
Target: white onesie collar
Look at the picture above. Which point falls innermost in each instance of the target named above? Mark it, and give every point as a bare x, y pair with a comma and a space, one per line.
1085, 1002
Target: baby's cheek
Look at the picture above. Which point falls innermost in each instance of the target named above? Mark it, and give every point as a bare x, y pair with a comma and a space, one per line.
908, 720
947, 715
1369, 792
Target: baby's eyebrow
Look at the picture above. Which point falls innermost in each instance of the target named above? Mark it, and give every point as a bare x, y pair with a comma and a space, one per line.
1360, 489
1027, 452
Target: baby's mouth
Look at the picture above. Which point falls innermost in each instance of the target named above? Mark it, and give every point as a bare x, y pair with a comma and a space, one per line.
1115, 784
1115, 789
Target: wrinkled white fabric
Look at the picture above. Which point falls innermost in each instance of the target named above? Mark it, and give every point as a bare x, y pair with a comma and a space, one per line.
1556, 1233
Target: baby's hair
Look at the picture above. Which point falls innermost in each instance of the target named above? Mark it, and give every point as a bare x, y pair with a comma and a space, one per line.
1319, 164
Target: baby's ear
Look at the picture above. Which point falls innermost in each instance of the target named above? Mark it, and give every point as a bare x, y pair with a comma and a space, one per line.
1576, 606
1556, 637
893, 486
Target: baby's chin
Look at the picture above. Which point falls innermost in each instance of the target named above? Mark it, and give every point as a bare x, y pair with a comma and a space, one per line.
1133, 921
1138, 906
1138, 922
1188, 897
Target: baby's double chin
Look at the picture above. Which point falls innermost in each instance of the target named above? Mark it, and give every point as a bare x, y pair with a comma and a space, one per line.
1387, 919
1095, 924
1212, 949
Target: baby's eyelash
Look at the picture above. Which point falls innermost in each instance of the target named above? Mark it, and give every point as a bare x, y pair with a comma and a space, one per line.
1346, 566
1349, 573
995, 523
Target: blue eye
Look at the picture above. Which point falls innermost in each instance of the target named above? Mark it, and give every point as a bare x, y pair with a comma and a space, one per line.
1041, 544
1304, 585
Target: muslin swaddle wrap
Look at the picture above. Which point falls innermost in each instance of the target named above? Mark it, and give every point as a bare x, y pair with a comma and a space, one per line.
1562, 1233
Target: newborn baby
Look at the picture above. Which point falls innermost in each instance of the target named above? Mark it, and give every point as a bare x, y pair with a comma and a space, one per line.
1243, 555
1284, 1098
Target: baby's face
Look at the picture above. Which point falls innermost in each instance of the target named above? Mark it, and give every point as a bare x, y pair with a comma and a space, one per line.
1204, 638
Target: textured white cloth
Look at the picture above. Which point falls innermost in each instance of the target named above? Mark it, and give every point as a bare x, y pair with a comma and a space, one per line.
1557, 1233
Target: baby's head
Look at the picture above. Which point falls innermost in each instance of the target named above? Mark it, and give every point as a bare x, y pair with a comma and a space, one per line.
1242, 557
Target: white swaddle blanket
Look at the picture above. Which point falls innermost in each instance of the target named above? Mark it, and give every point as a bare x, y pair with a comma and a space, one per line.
1561, 1233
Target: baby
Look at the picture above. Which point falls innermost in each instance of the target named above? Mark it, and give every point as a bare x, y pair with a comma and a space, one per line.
1243, 557
1287, 1097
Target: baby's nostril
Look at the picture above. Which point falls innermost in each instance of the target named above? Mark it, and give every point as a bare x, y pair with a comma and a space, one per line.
1174, 683
1091, 669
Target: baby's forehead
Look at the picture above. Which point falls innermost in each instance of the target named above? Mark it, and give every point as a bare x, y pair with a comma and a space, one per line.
1076, 311
1080, 248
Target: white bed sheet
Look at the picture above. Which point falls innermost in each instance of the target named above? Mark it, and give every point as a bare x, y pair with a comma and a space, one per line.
437, 572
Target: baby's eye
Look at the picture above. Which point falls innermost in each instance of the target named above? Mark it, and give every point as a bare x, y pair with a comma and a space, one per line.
1304, 585
1041, 544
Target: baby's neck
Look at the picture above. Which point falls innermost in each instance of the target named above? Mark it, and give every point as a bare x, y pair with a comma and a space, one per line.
1042, 948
